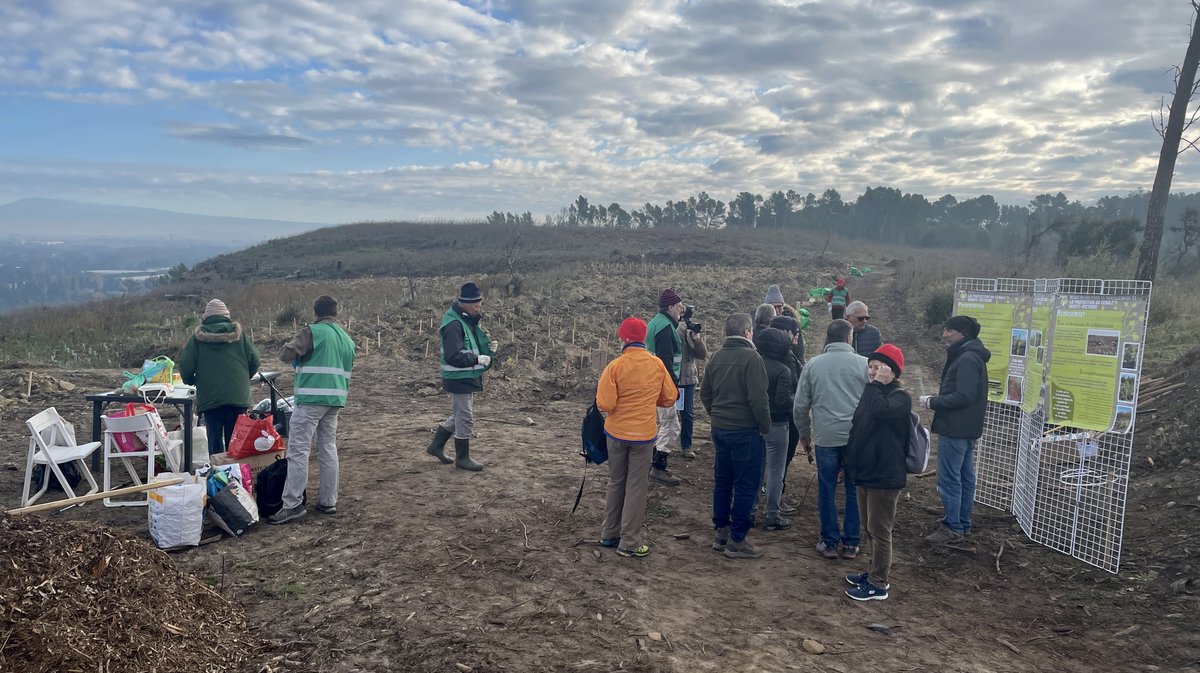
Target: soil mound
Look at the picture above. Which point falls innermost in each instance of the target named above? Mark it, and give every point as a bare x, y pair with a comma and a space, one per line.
76, 596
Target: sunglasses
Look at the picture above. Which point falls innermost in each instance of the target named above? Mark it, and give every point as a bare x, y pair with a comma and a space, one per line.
863, 318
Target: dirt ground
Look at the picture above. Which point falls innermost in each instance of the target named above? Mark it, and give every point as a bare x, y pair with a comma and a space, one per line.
428, 568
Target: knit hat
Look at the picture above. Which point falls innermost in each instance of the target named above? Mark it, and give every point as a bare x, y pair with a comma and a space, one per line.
668, 298
841, 282
469, 294
215, 307
632, 329
785, 323
891, 356
964, 324
774, 296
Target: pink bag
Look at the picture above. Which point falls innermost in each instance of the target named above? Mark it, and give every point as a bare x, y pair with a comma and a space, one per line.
128, 442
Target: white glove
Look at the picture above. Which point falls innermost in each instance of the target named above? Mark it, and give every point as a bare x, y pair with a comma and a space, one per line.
829, 307
485, 360
924, 401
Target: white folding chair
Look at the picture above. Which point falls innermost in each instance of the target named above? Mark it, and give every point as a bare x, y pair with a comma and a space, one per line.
147, 428
52, 443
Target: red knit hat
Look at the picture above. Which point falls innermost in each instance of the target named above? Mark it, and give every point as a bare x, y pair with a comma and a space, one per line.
632, 329
668, 298
841, 282
891, 356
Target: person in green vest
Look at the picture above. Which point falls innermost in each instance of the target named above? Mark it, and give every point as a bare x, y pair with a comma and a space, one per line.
837, 299
663, 341
465, 355
322, 355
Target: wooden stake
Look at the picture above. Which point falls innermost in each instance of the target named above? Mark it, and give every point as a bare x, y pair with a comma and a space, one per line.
29, 385
80, 499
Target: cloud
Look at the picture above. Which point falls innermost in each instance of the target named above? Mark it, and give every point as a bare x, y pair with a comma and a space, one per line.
238, 137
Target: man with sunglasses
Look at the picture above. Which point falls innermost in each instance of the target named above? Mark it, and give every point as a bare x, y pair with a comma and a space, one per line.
867, 338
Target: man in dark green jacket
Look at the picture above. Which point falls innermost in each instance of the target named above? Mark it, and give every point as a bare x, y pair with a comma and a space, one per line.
734, 393
219, 360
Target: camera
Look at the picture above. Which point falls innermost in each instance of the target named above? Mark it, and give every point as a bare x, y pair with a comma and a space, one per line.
688, 312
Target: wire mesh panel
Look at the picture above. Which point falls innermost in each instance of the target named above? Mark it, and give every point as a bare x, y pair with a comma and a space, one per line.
1025, 476
996, 456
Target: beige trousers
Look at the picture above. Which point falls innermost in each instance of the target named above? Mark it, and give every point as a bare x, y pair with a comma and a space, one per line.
628, 482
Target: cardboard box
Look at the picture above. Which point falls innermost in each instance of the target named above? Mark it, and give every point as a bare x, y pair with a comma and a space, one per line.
256, 462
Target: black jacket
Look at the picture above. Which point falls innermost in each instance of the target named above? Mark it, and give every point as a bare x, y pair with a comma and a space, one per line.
774, 346
875, 456
452, 344
961, 402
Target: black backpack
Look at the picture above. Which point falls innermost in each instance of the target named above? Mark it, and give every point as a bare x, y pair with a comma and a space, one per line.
268, 487
68, 471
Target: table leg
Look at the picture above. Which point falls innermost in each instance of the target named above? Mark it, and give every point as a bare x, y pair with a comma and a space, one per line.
187, 436
96, 412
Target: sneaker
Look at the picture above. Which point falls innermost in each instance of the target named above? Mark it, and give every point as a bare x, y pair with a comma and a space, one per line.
943, 535
610, 542
636, 551
778, 523
286, 515
827, 551
720, 538
788, 508
688, 453
859, 579
867, 592
326, 509
849, 552
741, 549
664, 476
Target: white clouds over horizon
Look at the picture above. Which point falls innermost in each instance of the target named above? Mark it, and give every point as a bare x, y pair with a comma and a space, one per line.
374, 109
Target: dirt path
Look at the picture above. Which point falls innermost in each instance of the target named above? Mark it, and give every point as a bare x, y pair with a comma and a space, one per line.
426, 567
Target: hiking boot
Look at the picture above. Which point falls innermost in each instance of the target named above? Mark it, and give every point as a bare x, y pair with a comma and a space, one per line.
659, 471
943, 535
326, 509
437, 446
778, 523
610, 542
741, 549
462, 456
788, 508
849, 552
867, 592
635, 551
721, 538
827, 551
688, 453
286, 515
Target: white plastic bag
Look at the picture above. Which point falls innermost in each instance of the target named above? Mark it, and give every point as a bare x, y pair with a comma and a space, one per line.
176, 513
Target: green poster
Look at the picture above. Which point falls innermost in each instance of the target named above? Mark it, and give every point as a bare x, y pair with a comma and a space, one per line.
994, 311
1035, 359
1092, 339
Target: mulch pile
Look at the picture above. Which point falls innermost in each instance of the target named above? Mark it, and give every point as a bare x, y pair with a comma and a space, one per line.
76, 596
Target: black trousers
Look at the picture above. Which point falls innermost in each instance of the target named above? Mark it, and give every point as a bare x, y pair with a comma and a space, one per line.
220, 422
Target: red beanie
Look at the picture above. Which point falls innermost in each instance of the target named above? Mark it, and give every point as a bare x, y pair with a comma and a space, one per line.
891, 356
632, 329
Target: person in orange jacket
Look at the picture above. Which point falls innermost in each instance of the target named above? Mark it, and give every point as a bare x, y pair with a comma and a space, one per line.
631, 389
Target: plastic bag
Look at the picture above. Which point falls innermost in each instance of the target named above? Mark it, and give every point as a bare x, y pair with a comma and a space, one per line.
247, 434
176, 513
233, 510
137, 441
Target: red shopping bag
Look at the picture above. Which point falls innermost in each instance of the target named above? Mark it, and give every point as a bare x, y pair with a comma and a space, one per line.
129, 441
253, 435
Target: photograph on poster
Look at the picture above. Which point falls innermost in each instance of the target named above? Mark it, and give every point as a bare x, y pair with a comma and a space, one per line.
1035, 339
1016, 389
1129, 355
1124, 418
1020, 339
1127, 388
1103, 342
1041, 355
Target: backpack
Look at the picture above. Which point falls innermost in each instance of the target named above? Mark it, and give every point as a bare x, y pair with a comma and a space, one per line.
268, 488
595, 442
68, 471
916, 458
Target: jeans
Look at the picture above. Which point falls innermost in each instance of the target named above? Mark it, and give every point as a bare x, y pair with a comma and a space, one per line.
687, 417
776, 460
312, 425
220, 421
737, 468
956, 481
829, 465
793, 440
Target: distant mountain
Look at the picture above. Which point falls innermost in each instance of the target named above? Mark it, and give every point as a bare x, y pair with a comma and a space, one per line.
43, 219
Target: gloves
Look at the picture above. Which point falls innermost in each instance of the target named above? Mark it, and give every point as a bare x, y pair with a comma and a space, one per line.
924, 401
485, 360
829, 307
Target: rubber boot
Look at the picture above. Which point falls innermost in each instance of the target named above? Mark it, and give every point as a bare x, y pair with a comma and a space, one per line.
437, 447
462, 456
659, 471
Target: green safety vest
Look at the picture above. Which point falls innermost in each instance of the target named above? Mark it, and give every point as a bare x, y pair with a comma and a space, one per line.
838, 297
474, 341
324, 378
658, 323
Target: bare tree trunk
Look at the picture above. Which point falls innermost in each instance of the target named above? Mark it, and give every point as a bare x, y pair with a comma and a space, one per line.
1147, 265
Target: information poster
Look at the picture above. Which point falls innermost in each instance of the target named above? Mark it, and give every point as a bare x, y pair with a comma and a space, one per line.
995, 313
1037, 352
1093, 339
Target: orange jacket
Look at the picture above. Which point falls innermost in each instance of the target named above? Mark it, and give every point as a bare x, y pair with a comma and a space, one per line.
630, 389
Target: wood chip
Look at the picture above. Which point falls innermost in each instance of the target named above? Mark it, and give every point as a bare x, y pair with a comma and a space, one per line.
813, 646
655, 636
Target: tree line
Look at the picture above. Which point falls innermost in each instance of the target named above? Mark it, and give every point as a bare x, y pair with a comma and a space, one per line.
1049, 224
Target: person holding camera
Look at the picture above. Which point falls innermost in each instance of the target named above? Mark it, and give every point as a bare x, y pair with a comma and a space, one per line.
664, 342
694, 349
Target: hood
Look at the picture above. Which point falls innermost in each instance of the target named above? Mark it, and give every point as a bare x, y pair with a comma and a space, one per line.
218, 329
773, 343
972, 345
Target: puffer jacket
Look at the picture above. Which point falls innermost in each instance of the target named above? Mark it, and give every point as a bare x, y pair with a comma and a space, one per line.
775, 347
219, 360
630, 390
878, 448
961, 402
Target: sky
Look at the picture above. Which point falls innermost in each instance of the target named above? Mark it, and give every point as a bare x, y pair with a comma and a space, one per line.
349, 110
